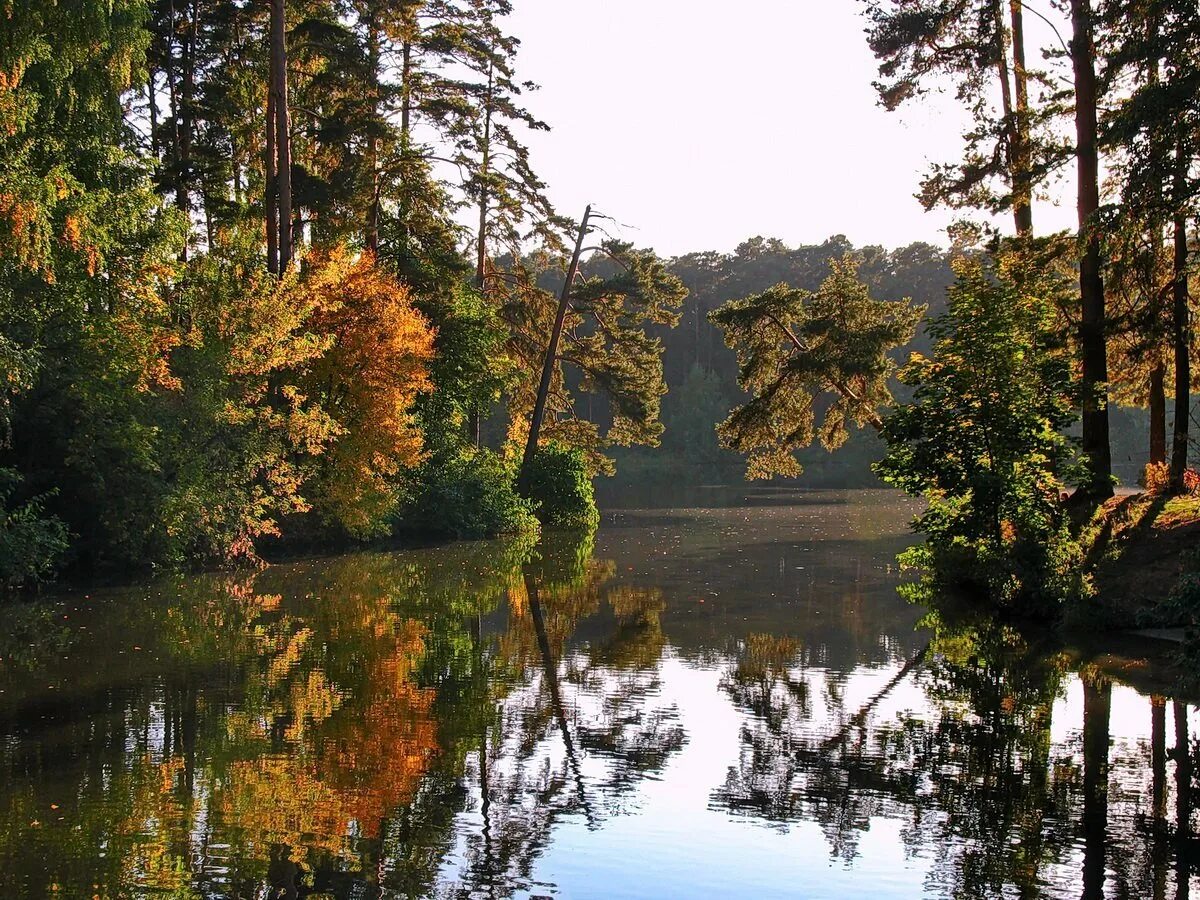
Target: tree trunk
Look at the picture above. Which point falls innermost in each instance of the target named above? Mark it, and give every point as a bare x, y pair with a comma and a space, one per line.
539, 406
1022, 163
1097, 707
405, 94
484, 166
371, 237
1158, 413
183, 171
271, 200
1092, 340
152, 103
283, 143
1181, 332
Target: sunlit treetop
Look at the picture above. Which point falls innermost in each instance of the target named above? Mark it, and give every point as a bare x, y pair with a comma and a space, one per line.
806, 355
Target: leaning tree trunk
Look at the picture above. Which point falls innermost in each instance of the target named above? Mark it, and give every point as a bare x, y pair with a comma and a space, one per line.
1092, 341
564, 300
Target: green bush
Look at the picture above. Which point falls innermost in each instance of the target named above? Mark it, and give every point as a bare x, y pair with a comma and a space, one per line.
468, 494
31, 542
558, 482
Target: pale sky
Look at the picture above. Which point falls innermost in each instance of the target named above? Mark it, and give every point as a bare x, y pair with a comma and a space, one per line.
703, 123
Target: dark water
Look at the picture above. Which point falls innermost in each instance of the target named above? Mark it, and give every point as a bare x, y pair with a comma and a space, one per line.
703, 703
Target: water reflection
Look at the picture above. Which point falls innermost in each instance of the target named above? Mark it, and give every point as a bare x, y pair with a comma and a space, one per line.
697, 702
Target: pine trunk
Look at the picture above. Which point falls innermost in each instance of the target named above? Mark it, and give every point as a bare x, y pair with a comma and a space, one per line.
1158, 413
548, 363
371, 238
283, 144
1022, 163
484, 171
1092, 341
271, 200
1181, 332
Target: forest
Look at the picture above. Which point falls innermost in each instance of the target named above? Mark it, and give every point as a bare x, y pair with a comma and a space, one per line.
282, 275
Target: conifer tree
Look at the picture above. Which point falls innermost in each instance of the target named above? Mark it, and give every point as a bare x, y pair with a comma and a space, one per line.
980, 44
806, 355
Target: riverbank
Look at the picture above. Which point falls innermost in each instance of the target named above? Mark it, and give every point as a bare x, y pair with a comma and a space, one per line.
1139, 548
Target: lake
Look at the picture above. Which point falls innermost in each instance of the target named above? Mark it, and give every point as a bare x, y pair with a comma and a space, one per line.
724, 697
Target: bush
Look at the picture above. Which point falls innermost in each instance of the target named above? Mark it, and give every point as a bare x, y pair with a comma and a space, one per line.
468, 494
31, 542
558, 482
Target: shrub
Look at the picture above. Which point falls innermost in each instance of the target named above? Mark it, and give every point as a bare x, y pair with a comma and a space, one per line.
468, 494
31, 542
558, 481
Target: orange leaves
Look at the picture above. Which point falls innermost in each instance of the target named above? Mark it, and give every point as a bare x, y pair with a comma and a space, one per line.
368, 379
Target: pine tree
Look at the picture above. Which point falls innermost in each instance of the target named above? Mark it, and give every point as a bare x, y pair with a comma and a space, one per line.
803, 355
981, 46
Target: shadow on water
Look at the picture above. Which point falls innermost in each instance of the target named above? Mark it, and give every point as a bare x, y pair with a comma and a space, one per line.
722, 702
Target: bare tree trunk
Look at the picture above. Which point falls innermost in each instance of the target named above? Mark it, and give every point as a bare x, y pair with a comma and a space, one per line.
283, 143
1092, 341
1181, 332
539, 406
1022, 162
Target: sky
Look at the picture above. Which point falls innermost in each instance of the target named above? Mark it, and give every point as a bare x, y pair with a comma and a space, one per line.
699, 124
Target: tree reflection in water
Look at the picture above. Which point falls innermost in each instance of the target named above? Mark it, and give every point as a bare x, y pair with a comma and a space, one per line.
976, 777
428, 723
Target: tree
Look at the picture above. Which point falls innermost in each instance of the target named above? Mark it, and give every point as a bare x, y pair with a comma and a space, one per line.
1092, 335
982, 438
920, 41
1154, 126
367, 382
499, 180
805, 354
279, 139
598, 327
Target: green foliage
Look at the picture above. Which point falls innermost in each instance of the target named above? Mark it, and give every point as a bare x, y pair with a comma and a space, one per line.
982, 440
559, 482
31, 542
469, 370
466, 494
800, 351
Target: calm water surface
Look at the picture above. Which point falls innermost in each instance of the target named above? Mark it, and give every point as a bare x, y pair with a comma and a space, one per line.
697, 702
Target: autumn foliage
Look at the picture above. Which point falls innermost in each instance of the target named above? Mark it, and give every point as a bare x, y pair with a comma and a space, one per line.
380, 347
